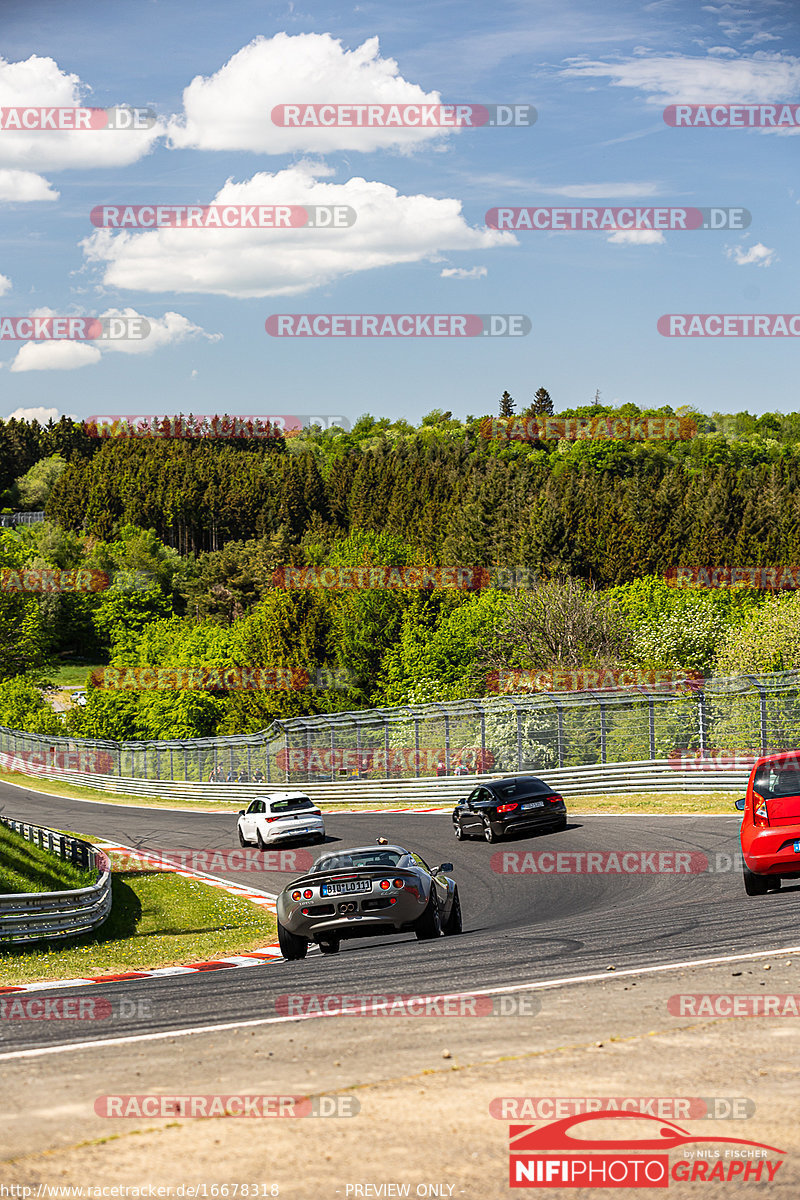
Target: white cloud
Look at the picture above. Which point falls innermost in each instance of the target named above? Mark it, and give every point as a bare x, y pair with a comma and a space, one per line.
55, 356
40, 83
463, 273
722, 51
5, 285
389, 229
42, 415
637, 237
25, 187
232, 109
164, 331
757, 256
592, 191
682, 79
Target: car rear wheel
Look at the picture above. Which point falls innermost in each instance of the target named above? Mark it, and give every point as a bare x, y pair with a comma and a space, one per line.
458, 831
560, 824
755, 885
242, 841
454, 924
774, 883
488, 833
260, 841
429, 925
292, 946
329, 945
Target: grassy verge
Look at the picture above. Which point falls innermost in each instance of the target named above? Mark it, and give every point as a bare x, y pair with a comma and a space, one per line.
157, 920
71, 674
27, 868
643, 802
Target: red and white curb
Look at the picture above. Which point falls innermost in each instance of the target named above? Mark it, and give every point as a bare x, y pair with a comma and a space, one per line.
253, 958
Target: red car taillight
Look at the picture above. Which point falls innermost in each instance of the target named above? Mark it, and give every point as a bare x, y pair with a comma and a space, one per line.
555, 798
384, 884
398, 883
760, 815
295, 895
507, 807
307, 894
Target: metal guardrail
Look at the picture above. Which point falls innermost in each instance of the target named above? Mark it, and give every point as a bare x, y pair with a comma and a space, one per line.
615, 779
32, 916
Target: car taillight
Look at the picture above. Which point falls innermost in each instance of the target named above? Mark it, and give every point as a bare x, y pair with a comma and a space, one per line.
507, 807
398, 883
307, 894
271, 819
384, 884
760, 815
555, 798
295, 895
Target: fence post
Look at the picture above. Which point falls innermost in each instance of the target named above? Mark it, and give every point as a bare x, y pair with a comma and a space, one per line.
416, 747
519, 735
701, 722
651, 721
602, 732
560, 726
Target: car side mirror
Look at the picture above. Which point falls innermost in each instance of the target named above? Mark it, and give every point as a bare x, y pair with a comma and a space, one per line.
741, 803
241, 812
443, 867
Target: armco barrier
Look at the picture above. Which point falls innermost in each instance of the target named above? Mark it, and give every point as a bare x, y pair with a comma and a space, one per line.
31, 916
616, 779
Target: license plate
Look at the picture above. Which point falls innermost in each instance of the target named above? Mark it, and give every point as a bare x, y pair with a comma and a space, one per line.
534, 804
355, 885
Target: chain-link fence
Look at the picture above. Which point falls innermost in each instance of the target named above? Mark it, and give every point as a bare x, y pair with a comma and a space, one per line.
531, 732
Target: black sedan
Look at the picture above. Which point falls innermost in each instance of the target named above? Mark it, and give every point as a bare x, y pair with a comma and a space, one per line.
516, 805
369, 890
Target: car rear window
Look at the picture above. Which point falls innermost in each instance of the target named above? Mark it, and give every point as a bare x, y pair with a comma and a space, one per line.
366, 858
288, 805
773, 781
519, 789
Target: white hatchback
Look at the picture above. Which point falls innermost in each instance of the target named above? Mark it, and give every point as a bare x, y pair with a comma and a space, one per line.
279, 817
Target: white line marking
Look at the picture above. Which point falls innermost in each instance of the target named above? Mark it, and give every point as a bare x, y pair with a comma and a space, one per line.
133, 1039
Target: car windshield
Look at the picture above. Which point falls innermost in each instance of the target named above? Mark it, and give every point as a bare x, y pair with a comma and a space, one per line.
292, 803
358, 858
520, 788
774, 781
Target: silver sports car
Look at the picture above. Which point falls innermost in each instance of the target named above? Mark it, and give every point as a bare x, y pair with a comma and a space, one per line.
366, 891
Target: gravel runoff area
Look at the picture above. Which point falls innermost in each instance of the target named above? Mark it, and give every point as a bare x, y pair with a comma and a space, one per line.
424, 1086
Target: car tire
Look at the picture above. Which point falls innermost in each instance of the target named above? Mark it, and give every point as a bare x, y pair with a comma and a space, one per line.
242, 841
774, 883
292, 946
488, 833
429, 925
755, 885
260, 841
329, 945
560, 825
454, 923
458, 831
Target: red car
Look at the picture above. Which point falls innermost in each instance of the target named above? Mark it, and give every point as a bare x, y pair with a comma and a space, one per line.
770, 831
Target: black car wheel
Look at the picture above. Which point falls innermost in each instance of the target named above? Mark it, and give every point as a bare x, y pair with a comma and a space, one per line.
329, 945
429, 925
454, 924
292, 946
260, 841
488, 832
560, 824
458, 831
755, 885
242, 842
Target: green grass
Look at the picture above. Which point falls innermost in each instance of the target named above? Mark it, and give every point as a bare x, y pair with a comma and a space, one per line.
157, 920
71, 674
27, 868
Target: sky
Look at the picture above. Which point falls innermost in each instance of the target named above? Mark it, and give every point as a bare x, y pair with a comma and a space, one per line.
599, 76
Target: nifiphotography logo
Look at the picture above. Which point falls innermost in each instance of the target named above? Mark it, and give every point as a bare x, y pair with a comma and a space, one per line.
605, 1154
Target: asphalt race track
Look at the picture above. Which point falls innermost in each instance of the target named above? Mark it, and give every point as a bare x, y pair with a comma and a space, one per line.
517, 928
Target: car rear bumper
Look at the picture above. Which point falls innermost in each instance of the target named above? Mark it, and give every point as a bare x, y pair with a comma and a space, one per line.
772, 852
553, 814
345, 915
284, 834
